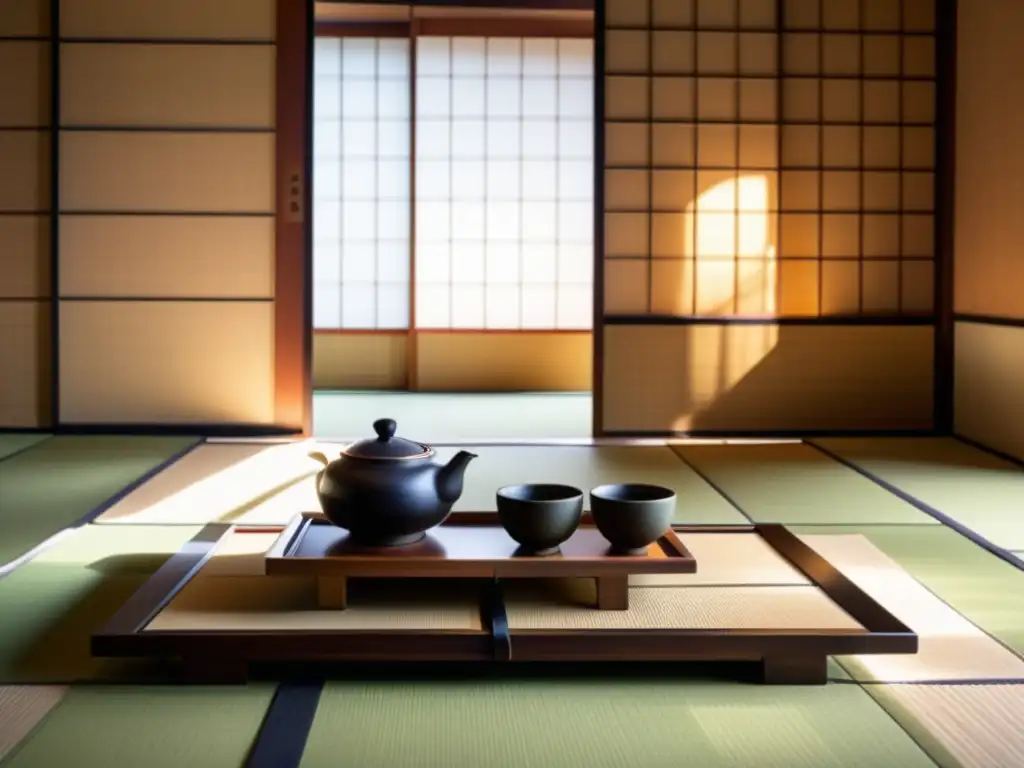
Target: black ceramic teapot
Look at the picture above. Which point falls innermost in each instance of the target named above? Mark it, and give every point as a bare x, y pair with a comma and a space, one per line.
387, 491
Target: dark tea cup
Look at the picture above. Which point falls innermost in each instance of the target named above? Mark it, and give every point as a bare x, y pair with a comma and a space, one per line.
540, 517
631, 516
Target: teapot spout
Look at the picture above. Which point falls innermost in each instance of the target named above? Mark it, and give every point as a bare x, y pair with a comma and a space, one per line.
449, 477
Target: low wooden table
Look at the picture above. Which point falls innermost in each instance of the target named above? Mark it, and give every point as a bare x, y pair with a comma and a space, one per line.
468, 546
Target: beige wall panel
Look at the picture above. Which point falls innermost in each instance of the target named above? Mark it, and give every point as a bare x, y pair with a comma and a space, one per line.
25, 18
183, 19
989, 160
989, 386
767, 378
25, 352
167, 362
24, 83
359, 361
532, 362
184, 172
25, 174
167, 256
168, 85
24, 256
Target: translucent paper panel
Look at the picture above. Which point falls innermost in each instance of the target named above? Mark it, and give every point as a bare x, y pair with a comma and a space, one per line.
361, 183
857, 179
504, 183
767, 157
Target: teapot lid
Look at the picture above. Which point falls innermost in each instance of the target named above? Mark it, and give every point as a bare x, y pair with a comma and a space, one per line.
386, 445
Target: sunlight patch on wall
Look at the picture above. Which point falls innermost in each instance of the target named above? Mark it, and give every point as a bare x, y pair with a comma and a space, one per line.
733, 250
730, 239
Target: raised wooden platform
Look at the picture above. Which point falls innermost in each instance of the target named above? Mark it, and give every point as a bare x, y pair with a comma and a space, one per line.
760, 595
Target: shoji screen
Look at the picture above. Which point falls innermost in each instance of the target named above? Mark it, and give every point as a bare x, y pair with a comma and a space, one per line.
432, 292
166, 211
858, 157
361, 183
768, 161
24, 214
691, 159
756, 172
504, 183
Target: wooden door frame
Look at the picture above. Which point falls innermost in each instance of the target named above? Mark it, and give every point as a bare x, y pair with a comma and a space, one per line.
293, 316
293, 337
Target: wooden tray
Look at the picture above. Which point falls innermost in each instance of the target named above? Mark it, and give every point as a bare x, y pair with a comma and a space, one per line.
470, 545
797, 655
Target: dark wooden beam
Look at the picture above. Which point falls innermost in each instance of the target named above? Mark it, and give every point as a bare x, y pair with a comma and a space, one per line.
326, 28
533, 5
293, 339
945, 212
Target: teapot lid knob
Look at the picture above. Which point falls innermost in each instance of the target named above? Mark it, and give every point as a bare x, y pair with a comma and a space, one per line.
386, 445
385, 429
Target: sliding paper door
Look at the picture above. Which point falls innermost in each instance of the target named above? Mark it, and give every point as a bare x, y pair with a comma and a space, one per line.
768, 209
453, 222
167, 212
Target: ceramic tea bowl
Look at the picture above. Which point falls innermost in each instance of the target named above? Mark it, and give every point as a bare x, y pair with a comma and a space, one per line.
540, 517
632, 516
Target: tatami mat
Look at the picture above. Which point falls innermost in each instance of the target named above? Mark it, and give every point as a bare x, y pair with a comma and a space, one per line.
219, 482
950, 647
237, 483
15, 442
986, 590
59, 481
603, 724
962, 726
796, 484
439, 416
122, 551
586, 467
568, 604
21, 709
979, 490
50, 607
288, 604
156, 727
727, 559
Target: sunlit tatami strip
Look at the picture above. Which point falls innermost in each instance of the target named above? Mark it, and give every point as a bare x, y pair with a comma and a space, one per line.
970, 726
222, 482
951, 648
22, 707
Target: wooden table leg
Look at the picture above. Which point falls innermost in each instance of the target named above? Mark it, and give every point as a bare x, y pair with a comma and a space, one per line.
332, 592
613, 593
214, 670
795, 670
